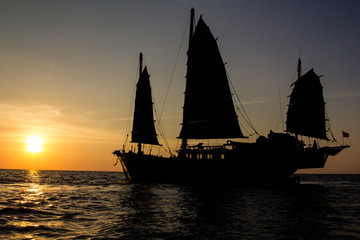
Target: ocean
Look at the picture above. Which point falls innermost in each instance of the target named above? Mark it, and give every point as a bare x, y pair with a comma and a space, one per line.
96, 205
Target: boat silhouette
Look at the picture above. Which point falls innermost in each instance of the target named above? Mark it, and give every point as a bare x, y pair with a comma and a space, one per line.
209, 113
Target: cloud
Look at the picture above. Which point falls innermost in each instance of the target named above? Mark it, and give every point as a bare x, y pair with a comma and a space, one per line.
349, 94
28, 113
256, 101
18, 121
111, 115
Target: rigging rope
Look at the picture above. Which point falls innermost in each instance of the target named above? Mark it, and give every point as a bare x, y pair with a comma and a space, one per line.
281, 113
173, 71
160, 126
330, 128
281, 117
127, 131
243, 112
159, 117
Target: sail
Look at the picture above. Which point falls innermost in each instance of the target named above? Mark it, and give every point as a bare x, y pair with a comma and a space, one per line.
143, 124
306, 112
208, 106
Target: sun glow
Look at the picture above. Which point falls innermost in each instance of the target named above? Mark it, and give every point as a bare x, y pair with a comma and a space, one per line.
34, 144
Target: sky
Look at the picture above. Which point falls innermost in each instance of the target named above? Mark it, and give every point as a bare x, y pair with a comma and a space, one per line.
68, 71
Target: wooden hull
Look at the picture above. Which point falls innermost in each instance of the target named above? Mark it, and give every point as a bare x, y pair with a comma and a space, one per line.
234, 163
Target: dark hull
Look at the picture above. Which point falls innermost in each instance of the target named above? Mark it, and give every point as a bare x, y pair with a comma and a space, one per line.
235, 163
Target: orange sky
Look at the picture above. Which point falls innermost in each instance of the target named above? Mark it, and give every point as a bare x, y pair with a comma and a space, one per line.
68, 70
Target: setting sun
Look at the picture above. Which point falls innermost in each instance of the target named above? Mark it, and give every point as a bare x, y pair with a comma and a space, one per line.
34, 144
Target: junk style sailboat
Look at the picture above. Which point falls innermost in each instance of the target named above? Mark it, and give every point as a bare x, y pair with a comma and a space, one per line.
209, 113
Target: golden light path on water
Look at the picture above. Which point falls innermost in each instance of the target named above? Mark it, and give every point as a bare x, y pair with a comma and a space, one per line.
31, 198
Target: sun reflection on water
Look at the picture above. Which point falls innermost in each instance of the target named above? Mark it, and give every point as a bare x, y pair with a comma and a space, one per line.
33, 194
29, 203
33, 176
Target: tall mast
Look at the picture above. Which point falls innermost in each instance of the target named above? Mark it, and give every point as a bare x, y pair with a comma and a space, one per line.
208, 111
140, 72
299, 75
299, 68
192, 20
140, 64
306, 111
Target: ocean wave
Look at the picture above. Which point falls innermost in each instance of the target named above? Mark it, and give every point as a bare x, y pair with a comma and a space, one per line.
67, 205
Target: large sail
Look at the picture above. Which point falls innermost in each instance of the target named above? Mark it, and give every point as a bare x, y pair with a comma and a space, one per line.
306, 113
143, 124
208, 107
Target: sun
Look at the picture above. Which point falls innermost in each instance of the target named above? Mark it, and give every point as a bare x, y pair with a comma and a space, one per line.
34, 144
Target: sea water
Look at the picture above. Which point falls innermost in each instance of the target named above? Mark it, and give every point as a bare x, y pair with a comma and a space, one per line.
96, 205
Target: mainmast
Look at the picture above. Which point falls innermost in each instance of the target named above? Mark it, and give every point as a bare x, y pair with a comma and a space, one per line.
299, 68
208, 111
140, 72
140, 64
192, 20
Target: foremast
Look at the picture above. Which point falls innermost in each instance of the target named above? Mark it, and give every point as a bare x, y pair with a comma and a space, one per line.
143, 131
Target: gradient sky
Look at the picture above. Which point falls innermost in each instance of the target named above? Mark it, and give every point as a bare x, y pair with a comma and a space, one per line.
68, 70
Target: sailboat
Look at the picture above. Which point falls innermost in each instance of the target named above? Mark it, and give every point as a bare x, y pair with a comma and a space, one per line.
209, 113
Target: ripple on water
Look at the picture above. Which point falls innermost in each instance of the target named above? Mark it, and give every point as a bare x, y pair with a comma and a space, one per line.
67, 205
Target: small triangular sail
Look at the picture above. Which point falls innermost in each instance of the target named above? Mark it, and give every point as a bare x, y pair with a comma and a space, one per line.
143, 124
208, 106
306, 112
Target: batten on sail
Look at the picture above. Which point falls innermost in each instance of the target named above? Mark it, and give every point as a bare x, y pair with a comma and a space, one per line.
143, 124
209, 113
306, 112
208, 106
